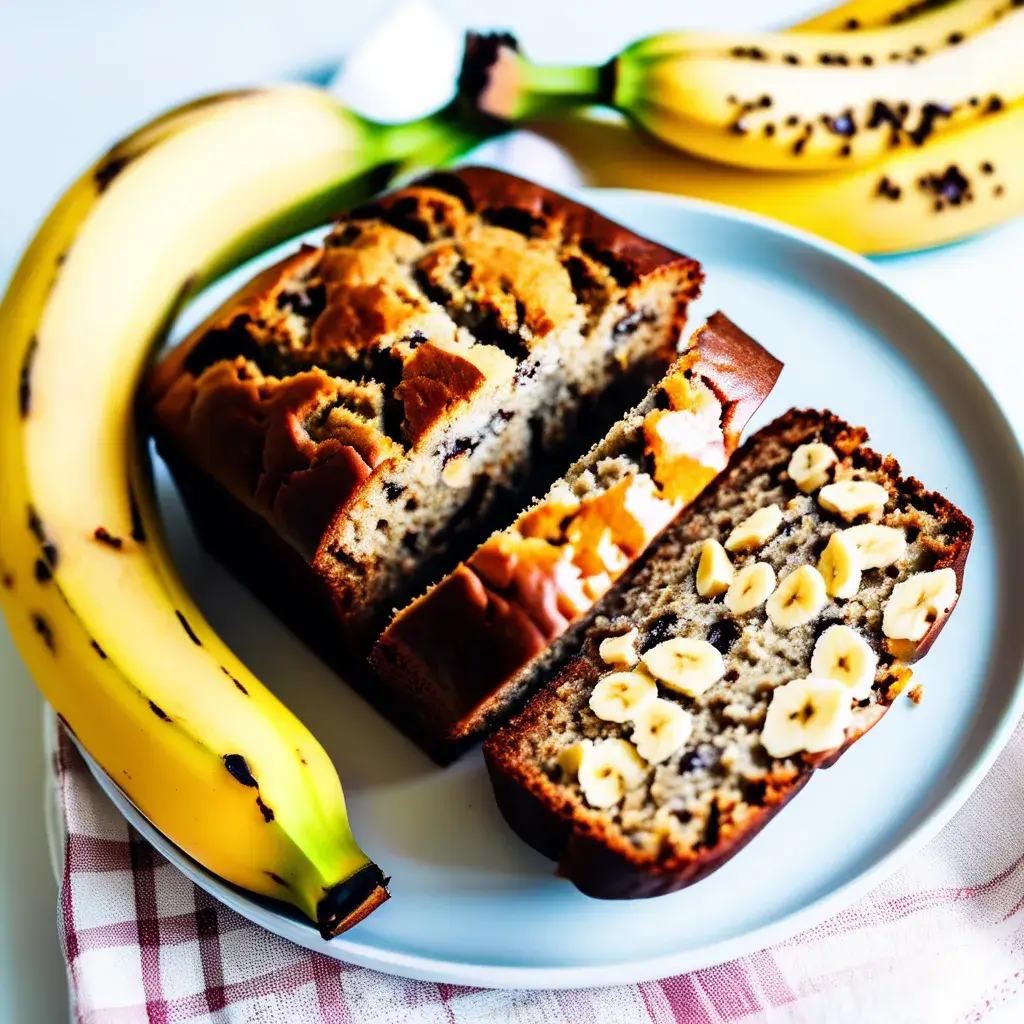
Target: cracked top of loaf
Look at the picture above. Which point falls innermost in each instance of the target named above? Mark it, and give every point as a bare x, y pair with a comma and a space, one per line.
344, 356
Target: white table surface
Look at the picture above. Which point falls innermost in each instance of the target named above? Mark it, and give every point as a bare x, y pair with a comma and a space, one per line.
74, 76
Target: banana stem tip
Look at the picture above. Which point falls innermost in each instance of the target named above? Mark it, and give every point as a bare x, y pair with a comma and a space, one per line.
348, 902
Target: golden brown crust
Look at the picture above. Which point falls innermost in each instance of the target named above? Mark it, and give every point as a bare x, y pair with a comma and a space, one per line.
460, 650
296, 404
739, 370
597, 856
237, 394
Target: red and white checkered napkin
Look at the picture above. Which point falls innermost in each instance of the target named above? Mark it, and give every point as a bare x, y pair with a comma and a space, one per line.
942, 941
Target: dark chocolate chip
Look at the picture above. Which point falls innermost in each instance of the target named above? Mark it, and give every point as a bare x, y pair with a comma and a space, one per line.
393, 491
515, 218
622, 270
712, 829
227, 343
462, 273
657, 631
309, 302
433, 291
722, 634
753, 791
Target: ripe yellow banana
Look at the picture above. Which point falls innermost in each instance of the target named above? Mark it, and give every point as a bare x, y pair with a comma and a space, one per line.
86, 584
959, 184
781, 101
867, 14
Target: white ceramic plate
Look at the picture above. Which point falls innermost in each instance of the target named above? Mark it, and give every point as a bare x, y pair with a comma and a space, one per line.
472, 904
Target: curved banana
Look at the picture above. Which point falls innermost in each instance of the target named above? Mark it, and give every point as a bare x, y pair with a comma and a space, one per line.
856, 15
905, 42
195, 740
959, 184
776, 101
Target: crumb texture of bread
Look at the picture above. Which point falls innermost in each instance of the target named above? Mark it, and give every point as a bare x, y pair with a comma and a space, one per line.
467, 653
380, 399
680, 812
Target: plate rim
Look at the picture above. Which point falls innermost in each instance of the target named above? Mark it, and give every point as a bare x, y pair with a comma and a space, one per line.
456, 972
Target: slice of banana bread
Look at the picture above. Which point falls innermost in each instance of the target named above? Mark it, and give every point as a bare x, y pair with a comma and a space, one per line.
358, 410
468, 652
769, 628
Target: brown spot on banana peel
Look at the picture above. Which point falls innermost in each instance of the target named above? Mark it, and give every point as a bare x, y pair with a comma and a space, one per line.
99, 650
234, 680
42, 572
108, 169
105, 537
25, 378
159, 712
45, 631
238, 769
278, 880
7, 580
268, 814
188, 629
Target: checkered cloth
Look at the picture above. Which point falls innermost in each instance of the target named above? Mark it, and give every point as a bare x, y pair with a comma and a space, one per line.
942, 941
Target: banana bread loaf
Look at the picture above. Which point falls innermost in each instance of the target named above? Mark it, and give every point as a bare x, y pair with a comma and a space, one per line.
770, 626
361, 409
466, 654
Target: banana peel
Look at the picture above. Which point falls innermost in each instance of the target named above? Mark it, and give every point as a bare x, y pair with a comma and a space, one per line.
87, 586
956, 186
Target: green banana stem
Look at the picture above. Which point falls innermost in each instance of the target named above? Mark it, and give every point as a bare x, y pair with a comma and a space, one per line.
501, 83
430, 142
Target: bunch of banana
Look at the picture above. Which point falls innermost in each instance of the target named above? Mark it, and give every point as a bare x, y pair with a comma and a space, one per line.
896, 125
89, 591
950, 189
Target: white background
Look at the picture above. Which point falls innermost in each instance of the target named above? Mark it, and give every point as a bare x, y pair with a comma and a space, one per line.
74, 76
